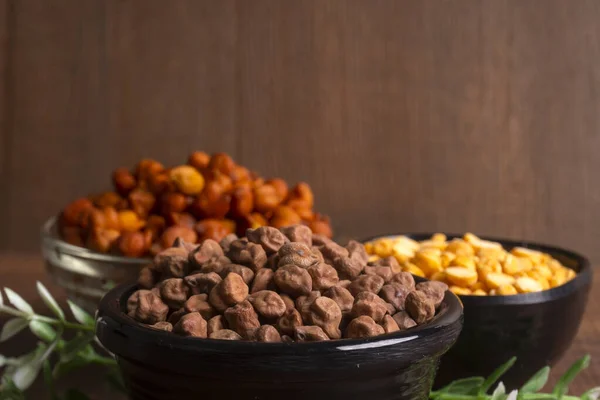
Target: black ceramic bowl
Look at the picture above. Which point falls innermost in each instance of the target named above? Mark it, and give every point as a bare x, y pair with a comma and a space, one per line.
536, 327
159, 365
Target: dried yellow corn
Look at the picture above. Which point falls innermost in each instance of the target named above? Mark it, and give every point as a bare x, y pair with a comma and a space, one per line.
472, 265
461, 276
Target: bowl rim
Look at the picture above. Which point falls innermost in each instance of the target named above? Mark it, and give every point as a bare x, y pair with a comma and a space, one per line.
110, 313
51, 238
581, 280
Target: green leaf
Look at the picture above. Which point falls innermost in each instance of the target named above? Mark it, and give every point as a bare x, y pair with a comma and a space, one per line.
49, 301
18, 301
74, 394
499, 392
80, 315
25, 375
12, 327
536, 382
562, 386
592, 394
493, 378
8, 391
49, 380
463, 386
2, 360
63, 367
77, 344
42, 330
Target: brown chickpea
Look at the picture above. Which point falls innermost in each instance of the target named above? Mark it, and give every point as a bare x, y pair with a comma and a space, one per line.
199, 160
124, 181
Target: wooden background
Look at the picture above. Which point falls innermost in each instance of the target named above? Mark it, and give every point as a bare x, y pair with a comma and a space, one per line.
479, 115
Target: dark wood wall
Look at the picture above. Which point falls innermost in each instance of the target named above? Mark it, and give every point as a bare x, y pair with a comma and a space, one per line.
479, 115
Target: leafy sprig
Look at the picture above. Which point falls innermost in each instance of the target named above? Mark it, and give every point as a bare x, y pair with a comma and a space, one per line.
477, 388
55, 355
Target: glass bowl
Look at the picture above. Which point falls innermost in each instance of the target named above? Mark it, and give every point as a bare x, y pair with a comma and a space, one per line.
85, 275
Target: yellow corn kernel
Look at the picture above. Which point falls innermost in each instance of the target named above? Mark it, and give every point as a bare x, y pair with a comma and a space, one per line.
534, 255
494, 280
402, 253
463, 261
460, 290
543, 270
528, 285
413, 269
460, 276
489, 264
383, 248
479, 292
489, 245
438, 237
431, 244
512, 265
472, 239
555, 265
429, 261
438, 276
460, 248
369, 247
478, 286
407, 242
374, 257
492, 292
447, 258
570, 274
558, 278
506, 290
494, 254
536, 276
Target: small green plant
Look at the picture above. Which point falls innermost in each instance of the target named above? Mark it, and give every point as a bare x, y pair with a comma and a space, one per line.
478, 388
63, 346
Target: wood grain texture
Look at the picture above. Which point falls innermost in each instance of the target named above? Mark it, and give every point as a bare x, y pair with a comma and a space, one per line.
5, 108
19, 272
460, 115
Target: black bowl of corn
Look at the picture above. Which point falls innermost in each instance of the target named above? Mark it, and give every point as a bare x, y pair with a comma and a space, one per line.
520, 298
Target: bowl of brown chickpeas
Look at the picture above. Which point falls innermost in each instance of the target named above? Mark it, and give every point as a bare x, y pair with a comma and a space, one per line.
520, 298
103, 239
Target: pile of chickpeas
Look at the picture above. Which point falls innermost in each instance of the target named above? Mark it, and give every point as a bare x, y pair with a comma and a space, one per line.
209, 197
472, 266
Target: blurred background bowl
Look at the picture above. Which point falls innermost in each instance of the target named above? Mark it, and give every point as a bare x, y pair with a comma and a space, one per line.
84, 274
536, 327
161, 365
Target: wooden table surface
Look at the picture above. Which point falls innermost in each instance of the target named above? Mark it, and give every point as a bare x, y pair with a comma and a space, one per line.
19, 272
